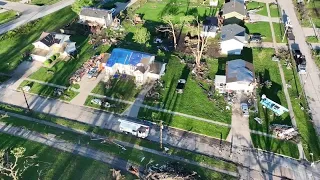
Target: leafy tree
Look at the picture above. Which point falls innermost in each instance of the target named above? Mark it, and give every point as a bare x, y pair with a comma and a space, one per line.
141, 36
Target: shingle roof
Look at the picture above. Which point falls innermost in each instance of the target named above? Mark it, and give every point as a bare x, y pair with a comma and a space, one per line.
233, 31
211, 21
49, 40
94, 12
239, 70
234, 6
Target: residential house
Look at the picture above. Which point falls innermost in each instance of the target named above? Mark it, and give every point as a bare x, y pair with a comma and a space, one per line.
239, 78
138, 64
95, 17
234, 12
210, 27
50, 44
233, 39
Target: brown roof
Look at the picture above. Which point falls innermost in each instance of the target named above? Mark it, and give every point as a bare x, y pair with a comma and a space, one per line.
145, 61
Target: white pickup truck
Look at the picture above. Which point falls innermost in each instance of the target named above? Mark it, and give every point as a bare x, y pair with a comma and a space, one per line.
135, 129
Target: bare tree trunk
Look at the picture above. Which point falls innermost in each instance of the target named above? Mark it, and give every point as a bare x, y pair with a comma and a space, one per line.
174, 35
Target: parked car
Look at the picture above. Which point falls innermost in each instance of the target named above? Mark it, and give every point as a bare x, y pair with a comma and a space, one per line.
96, 101
300, 61
113, 10
244, 109
180, 86
255, 38
92, 72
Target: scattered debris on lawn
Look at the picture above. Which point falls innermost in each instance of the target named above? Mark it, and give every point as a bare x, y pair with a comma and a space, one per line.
285, 132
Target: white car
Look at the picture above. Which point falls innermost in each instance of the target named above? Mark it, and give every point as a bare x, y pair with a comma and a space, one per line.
113, 10
96, 101
244, 109
92, 72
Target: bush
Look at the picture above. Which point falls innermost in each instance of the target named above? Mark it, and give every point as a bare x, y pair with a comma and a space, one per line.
47, 62
75, 86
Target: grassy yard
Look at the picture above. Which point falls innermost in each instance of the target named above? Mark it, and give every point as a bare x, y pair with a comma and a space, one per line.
275, 145
260, 27
258, 5
274, 10
123, 137
312, 39
193, 100
14, 43
62, 70
43, 2
56, 164
279, 31
116, 107
130, 154
44, 90
316, 55
185, 123
313, 9
7, 16
120, 88
309, 138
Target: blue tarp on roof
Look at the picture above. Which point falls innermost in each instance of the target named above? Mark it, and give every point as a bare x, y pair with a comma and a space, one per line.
125, 56
239, 70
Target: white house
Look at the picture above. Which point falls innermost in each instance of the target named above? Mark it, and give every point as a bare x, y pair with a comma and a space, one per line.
50, 44
95, 16
210, 27
138, 64
233, 39
239, 78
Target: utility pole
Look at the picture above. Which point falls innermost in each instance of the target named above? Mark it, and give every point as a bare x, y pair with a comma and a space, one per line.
25, 98
161, 128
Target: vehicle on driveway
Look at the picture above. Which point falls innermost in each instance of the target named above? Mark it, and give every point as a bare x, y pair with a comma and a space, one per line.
300, 61
245, 109
92, 72
255, 38
133, 128
96, 101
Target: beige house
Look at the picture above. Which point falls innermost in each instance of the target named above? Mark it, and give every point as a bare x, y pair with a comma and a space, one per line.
138, 64
239, 78
234, 11
50, 44
95, 16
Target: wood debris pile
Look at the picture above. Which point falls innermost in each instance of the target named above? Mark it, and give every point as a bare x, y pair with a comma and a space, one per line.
173, 171
285, 132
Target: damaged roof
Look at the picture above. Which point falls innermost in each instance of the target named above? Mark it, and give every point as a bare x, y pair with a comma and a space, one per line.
239, 70
234, 6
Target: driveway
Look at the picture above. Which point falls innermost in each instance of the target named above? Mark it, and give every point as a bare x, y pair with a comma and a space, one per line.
239, 134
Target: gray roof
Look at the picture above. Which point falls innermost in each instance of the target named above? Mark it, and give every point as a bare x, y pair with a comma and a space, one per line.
94, 12
239, 70
234, 6
233, 31
211, 21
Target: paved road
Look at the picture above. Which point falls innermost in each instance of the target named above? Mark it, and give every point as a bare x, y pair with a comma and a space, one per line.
310, 81
267, 161
125, 144
29, 12
66, 146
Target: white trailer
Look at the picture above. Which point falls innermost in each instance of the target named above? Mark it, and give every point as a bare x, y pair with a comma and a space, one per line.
135, 129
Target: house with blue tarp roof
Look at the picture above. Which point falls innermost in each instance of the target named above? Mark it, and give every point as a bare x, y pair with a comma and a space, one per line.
239, 77
134, 63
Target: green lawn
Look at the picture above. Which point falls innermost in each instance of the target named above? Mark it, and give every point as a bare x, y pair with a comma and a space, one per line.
130, 154
63, 70
260, 27
56, 164
312, 39
274, 10
309, 138
123, 137
44, 90
316, 55
43, 2
185, 123
279, 31
14, 43
258, 5
120, 88
7, 16
313, 9
193, 100
119, 107
275, 145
